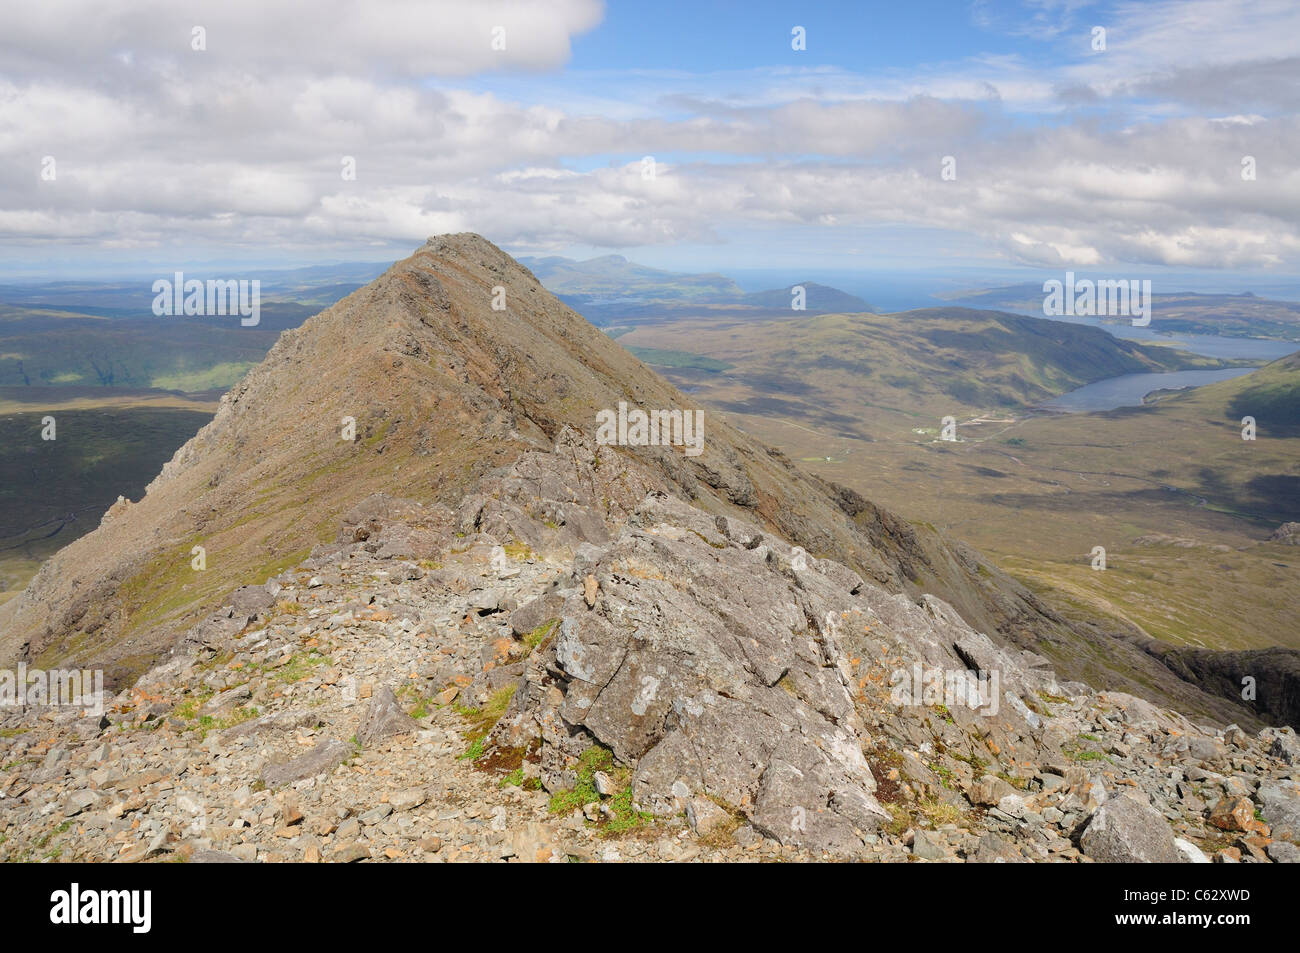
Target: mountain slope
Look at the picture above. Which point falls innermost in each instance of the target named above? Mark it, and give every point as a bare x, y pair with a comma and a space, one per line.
682, 687
1271, 396
445, 391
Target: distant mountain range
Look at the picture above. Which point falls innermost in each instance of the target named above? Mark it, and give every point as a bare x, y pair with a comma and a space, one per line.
1182, 312
611, 289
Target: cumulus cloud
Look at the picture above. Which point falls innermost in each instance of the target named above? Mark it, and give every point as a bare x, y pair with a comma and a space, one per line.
108, 42
1136, 158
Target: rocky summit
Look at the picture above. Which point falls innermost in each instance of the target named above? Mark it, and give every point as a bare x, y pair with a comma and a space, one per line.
472, 633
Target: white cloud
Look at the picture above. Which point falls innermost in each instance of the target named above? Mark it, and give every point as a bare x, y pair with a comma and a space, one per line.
402, 37
160, 146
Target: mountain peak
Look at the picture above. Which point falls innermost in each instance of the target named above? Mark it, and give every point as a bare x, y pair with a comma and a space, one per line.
450, 366
413, 487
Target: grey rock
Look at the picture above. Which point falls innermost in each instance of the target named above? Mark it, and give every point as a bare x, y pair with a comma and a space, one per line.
1052, 782
1285, 746
993, 849
486, 600
1013, 805
1191, 853
1208, 750
1279, 802
247, 601
226, 699
275, 721
327, 755
605, 786
928, 847
707, 691
1283, 852
989, 790
705, 817
214, 857
1126, 831
535, 613
1288, 533
384, 718
376, 814
408, 800
81, 801
350, 854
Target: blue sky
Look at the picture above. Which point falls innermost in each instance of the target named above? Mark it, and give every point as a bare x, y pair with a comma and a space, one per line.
712, 35
1126, 158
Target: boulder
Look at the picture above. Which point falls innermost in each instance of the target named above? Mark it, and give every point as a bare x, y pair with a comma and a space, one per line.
536, 613
1279, 803
1233, 814
1126, 831
327, 755
1285, 746
384, 718
992, 849
989, 790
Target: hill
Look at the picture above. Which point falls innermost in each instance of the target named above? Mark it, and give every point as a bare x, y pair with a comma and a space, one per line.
445, 390
588, 645
611, 290
613, 276
1227, 315
818, 298
588, 642
842, 372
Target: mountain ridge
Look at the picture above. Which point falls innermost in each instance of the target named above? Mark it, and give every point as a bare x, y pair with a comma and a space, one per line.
444, 390
546, 648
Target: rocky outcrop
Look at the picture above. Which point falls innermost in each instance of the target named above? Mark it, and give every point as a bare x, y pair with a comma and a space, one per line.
1263, 681
670, 685
1287, 533
706, 660
324, 757
1126, 831
383, 718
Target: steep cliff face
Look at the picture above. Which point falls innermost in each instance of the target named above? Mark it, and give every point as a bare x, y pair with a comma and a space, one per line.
449, 367
1268, 679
